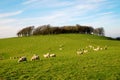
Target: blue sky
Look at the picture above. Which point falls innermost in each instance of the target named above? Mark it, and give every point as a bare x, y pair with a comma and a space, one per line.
16, 14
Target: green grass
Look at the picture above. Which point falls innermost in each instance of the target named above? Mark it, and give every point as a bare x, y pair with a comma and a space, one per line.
100, 65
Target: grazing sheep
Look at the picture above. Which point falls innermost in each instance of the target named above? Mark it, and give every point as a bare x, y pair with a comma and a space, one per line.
79, 52
85, 51
90, 46
22, 59
35, 57
101, 48
47, 55
52, 55
60, 49
96, 49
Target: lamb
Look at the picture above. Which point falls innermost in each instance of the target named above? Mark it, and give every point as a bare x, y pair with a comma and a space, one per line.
60, 49
96, 49
47, 55
90, 46
52, 55
101, 48
85, 51
79, 51
22, 59
35, 57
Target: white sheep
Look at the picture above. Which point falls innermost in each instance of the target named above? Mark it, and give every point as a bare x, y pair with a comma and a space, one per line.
85, 51
47, 55
101, 48
35, 57
60, 49
90, 46
79, 52
52, 55
96, 49
22, 59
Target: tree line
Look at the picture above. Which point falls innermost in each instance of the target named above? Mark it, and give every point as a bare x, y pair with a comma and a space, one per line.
48, 29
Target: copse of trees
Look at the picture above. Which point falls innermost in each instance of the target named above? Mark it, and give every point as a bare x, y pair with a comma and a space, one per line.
99, 31
48, 29
27, 31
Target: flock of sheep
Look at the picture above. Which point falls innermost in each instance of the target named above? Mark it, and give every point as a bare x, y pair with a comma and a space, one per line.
33, 58
90, 47
48, 55
36, 57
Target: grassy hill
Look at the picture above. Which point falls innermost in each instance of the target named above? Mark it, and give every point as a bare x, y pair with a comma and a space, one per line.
67, 65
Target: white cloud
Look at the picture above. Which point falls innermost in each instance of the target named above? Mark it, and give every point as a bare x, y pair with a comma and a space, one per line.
8, 14
6, 21
29, 2
8, 31
95, 1
33, 4
106, 13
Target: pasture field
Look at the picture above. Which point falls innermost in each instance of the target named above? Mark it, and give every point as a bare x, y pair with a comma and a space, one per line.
67, 65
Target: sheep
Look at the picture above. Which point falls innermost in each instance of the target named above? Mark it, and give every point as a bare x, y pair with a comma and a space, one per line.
35, 57
52, 55
47, 55
101, 48
90, 46
85, 51
60, 49
79, 51
96, 49
22, 59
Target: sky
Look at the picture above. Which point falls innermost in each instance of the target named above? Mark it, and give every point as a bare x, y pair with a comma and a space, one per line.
17, 14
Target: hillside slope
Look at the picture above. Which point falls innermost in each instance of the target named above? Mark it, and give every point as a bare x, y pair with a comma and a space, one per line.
67, 65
